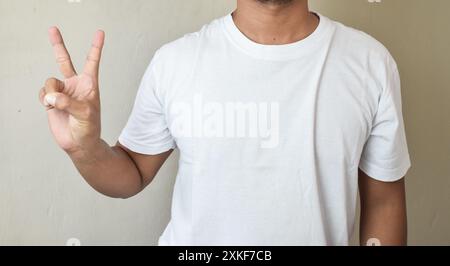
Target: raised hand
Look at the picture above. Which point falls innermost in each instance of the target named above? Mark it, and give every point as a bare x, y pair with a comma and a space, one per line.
73, 104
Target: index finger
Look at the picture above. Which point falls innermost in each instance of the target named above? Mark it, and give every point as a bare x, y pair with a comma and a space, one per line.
62, 56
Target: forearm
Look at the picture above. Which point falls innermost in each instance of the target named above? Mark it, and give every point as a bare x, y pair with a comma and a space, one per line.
384, 222
109, 170
73, 110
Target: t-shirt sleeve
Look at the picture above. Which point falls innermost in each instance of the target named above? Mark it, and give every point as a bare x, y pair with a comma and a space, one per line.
385, 155
147, 131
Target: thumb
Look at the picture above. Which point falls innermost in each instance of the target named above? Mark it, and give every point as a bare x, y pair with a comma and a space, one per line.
62, 102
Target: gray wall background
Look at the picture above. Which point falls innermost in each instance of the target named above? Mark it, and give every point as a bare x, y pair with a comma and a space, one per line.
43, 200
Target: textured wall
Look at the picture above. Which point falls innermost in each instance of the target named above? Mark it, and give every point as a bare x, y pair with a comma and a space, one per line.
44, 201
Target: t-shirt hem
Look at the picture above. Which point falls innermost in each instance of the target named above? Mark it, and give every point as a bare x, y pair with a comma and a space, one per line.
146, 150
385, 175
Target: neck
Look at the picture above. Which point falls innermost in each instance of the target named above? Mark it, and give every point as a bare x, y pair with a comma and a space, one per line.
275, 24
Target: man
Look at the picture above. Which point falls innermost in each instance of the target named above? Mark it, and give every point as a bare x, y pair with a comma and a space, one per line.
278, 113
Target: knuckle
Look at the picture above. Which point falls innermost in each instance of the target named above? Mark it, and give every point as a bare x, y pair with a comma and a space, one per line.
51, 85
63, 59
50, 82
41, 95
92, 59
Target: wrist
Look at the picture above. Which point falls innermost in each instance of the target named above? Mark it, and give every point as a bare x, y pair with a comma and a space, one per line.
89, 152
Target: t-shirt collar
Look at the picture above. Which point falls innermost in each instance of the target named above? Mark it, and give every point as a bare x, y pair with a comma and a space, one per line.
277, 52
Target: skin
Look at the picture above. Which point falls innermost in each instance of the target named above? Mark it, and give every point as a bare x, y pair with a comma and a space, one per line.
383, 211
267, 22
73, 108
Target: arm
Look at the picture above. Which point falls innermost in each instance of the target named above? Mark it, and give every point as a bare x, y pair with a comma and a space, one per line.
383, 211
73, 109
116, 171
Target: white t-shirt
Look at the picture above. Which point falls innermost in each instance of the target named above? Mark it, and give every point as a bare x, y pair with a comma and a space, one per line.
270, 136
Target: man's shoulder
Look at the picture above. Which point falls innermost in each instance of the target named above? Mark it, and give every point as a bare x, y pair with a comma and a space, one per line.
355, 41
187, 46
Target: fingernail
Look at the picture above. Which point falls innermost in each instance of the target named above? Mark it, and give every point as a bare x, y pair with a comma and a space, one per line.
50, 99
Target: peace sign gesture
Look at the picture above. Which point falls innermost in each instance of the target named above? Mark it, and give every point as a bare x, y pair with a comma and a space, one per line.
73, 104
